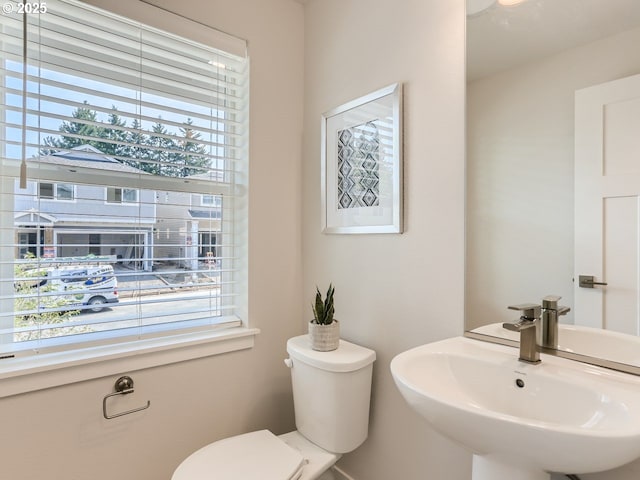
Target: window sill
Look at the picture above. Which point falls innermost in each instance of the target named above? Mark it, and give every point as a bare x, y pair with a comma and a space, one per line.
27, 374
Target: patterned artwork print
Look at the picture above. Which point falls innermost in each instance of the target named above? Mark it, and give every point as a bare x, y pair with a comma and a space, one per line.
359, 166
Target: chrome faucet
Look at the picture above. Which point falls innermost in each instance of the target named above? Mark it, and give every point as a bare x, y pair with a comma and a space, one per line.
549, 319
529, 328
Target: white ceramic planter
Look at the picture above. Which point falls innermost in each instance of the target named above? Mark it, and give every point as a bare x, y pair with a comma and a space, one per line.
324, 338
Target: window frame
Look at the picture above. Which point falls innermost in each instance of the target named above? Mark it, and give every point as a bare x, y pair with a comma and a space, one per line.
63, 199
41, 186
55, 195
27, 374
122, 200
24, 373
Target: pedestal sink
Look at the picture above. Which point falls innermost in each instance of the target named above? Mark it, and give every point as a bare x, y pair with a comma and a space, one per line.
522, 421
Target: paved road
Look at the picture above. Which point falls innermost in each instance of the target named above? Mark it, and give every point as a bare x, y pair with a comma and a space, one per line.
152, 309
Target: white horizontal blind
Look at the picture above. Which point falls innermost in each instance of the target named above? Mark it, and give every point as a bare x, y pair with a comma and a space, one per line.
136, 147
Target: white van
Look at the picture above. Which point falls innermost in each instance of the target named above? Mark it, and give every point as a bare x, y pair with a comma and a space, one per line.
88, 286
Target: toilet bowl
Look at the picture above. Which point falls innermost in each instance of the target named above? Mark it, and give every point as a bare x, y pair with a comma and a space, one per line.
331, 393
258, 455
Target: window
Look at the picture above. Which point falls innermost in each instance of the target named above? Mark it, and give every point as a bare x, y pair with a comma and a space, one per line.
122, 195
46, 190
208, 199
64, 191
58, 191
113, 102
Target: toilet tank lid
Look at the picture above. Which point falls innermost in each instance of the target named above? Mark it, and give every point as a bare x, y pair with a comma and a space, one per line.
346, 358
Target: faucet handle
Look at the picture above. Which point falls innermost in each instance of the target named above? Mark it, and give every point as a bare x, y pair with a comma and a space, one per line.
530, 311
551, 301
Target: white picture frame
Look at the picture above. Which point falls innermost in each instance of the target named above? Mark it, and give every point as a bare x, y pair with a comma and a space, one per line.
361, 161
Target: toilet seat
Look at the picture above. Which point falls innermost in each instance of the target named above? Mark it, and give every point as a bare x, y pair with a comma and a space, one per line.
252, 456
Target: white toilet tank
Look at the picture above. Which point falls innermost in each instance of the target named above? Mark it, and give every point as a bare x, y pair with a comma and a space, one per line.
331, 393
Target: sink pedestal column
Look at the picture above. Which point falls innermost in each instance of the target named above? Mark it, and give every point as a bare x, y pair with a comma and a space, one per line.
489, 468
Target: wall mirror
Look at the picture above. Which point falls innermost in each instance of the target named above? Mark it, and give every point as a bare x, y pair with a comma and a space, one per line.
525, 63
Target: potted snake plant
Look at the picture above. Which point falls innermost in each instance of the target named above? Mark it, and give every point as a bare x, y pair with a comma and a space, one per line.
324, 330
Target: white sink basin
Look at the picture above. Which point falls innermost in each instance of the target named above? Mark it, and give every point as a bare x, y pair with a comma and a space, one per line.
519, 419
592, 342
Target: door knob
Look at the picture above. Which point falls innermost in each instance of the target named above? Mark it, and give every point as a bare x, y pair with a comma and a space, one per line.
587, 281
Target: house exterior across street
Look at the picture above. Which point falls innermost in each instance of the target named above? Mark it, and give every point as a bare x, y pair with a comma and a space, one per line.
137, 227
56, 219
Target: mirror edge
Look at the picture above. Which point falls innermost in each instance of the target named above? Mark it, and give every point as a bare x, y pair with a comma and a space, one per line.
598, 362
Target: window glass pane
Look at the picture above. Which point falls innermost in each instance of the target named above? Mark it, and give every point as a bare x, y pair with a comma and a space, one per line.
129, 195
162, 263
114, 195
64, 191
46, 190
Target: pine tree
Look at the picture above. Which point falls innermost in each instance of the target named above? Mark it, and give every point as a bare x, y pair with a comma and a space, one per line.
117, 136
154, 152
135, 152
160, 151
194, 152
78, 132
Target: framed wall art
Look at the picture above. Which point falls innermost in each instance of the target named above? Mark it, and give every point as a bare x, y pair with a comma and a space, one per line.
362, 164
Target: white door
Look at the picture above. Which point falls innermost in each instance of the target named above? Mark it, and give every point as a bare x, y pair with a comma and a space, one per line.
607, 205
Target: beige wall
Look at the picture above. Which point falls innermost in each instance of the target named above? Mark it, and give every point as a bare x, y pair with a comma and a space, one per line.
393, 291
59, 434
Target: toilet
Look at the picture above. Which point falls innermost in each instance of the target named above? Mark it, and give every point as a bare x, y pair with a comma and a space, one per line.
331, 396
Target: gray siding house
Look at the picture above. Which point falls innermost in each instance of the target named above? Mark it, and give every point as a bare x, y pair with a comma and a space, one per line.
188, 229
57, 219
